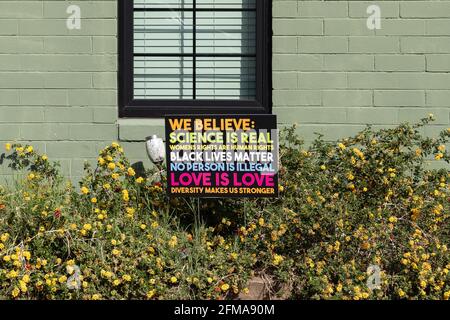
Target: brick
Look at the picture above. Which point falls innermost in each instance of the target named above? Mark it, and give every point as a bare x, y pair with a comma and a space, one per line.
9, 27
285, 80
104, 45
425, 45
400, 27
67, 45
310, 114
18, 80
75, 80
376, 44
65, 148
43, 97
342, 27
105, 80
21, 9
284, 9
297, 98
438, 27
438, 98
44, 132
373, 115
93, 97
347, 98
9, 97
68, 114
438, 62
324, 44
398, 80
284, 44
21, 114
9, 62
297, 62
400, 63
138, 130
291, 27
92, 132
328, 9
105, 114
348, 62
399, 98
322, 80
425, 9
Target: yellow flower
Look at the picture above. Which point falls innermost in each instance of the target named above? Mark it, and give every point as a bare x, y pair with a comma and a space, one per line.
143, 226
423, 284
173, 242
106, 186
225, 287
323, 167
114, 242
130, 212
87, 227
94, 200
44, 157
111, 166
8, 146
342, 146
173, 280
116, 282
101, 161
139, 180
261, 222
4, 237
115, 176
441, 148
29, 149
96, 296
210, 280
84, 190
281, 188
125, 195
115, 145
393, 219
15, 293
126, 277
151, 294
62, 279
277, 259
446, 295
115, 252
131, 172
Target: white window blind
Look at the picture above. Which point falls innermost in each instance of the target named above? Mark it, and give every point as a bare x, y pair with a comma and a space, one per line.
195, 49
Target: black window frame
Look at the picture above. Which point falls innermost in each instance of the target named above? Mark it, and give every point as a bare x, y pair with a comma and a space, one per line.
156, 108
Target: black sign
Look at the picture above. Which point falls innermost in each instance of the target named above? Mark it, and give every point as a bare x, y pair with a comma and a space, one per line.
222, 156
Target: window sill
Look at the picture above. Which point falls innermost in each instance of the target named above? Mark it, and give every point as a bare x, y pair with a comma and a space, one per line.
139, 129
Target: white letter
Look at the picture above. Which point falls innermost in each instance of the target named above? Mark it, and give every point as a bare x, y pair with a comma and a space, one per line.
374, 20
74, 20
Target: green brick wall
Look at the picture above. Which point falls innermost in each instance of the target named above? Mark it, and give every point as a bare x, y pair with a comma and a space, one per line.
331, 74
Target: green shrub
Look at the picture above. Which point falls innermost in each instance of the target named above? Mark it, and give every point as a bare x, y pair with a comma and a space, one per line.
344, 206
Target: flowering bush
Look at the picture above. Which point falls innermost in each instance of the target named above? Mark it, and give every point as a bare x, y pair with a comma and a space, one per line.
346, 207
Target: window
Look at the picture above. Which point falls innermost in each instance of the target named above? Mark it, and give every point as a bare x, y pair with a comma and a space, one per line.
194, 56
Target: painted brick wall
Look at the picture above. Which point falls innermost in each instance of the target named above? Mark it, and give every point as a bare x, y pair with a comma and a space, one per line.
331, 73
